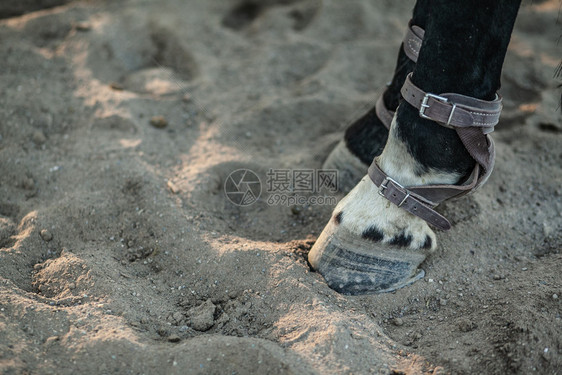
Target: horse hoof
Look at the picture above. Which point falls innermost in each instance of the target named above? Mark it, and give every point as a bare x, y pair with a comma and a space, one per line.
350, 169
352, 265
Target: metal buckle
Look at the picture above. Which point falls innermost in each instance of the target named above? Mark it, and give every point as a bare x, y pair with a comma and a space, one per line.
424, 104
451, 115
384, 185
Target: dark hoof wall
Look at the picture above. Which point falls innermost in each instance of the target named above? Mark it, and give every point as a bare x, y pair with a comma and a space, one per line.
357, 266
350, 169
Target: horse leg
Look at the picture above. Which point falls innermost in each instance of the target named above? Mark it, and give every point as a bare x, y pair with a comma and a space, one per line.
366, 137
372, 245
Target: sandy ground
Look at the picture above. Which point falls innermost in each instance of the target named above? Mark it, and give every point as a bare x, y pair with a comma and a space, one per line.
119, 252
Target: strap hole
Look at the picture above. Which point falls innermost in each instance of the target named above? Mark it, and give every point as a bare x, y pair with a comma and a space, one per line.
394, 195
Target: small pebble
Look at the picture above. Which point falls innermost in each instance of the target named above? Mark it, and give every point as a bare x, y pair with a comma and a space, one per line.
186, 97
178, 317
296, 210
232, 294
442, 302
555, 296
27, 183
38, 137
158, 122
83, 26
524, 269
466, 325
397, 322
174, 338
162, 331
116, 86
46, 235
202, 316
173, 188
51, 340
72, 286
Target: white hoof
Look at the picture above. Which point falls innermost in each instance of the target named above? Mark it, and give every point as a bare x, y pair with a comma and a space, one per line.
370, 245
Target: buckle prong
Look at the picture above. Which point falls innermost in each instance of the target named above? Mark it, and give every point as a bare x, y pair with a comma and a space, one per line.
424, 104
384, 185
405, 198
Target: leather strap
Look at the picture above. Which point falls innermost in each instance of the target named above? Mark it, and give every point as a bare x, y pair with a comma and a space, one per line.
421, 200
384, 114
406, 198
472, 119
412, 43
453, 110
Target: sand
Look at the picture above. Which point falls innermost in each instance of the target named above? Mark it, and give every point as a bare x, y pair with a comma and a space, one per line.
120, 253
